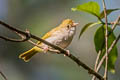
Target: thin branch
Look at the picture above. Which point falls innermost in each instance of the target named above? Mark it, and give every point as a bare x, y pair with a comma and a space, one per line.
5, 78
112, 45
50, 50
62, 51
96, 63
106, 41
23, 37
97, 59
111, 23
30, 41
15, 40
109, 50
115, 23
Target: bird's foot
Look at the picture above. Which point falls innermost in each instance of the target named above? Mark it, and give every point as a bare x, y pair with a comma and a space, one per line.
45, 49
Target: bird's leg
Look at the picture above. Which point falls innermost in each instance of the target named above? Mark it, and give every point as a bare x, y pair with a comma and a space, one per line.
45, 49
55, 51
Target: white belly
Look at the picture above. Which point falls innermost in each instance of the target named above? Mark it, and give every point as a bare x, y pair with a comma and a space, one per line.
61, 39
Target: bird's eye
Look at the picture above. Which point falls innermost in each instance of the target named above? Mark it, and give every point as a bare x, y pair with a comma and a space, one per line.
68, 26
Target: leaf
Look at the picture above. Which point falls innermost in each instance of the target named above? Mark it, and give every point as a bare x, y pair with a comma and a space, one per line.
108, 11
112, 55
99, 41
90, 7
89, 25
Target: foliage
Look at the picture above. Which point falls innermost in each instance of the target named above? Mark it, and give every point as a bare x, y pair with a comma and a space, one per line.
99, 41
90, 7
93, 8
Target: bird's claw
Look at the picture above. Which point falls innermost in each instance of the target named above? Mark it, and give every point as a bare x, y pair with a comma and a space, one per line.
45, 49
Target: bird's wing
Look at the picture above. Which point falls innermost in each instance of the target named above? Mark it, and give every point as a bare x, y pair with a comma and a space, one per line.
47, 35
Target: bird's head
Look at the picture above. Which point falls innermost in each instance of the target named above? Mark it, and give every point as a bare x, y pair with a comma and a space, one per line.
68, 23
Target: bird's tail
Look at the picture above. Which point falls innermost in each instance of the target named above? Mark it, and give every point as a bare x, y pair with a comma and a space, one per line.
28, 54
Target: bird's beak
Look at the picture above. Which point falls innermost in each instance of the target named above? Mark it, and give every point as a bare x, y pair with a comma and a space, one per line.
75, 24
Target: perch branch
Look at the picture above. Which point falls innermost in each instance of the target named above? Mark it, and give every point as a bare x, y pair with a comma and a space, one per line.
5, 78
51, 50
72, 57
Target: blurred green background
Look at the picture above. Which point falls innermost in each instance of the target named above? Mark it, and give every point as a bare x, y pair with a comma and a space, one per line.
40, 16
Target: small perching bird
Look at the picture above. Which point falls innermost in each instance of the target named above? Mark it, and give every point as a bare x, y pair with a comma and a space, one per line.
60, 36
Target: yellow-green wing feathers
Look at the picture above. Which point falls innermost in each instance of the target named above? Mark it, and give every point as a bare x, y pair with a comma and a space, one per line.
28, 54
47, 35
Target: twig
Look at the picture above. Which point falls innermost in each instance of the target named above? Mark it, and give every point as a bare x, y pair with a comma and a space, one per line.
111, 23
109, 50
106, 41
112, 45
50, 50
30, 41
96, 63
24, 36
5, 78
115, 23
15, 40
97, 59
72, 57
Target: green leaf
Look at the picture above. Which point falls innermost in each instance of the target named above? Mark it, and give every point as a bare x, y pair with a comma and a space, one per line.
112, 55
99, 40
90, 7
108, 11
89, 25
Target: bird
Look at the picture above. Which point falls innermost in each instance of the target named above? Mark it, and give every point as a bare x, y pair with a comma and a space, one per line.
60, 36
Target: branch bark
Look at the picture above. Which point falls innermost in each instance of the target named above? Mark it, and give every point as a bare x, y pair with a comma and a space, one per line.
3, 75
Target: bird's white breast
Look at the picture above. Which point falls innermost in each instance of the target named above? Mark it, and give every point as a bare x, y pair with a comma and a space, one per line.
63, 37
